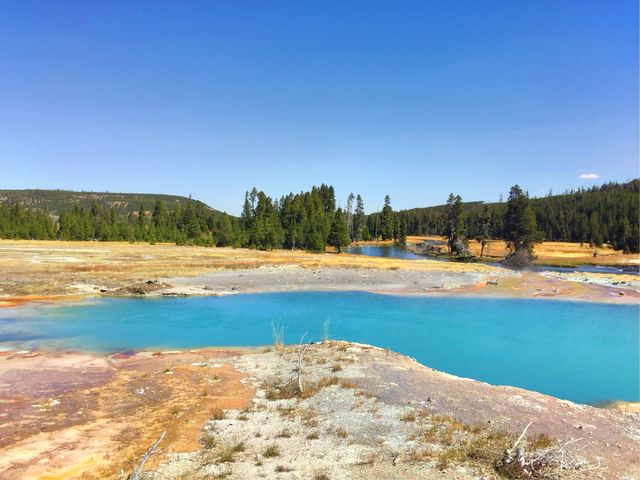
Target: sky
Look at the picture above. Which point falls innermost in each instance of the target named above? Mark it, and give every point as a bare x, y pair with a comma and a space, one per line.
410, 99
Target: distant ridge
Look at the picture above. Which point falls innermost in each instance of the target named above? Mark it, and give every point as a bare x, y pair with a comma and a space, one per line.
62, 201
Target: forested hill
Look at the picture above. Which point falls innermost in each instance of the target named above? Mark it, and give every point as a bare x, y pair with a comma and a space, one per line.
64, 215
62, 201
608, 213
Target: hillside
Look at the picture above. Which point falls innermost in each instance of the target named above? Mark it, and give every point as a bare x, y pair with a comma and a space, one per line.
63, 201
66, 215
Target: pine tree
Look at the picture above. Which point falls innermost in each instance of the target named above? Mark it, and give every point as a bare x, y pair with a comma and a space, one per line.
595, 230
246, 218
358, 219
401, 235
484, 234
454, 229
349, 214
224, 231
386, 220
339, 234
521, 232
623, 235
191, 225
158, 221
266, 232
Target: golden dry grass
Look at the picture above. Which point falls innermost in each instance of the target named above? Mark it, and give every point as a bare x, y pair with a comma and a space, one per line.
552, 253
33, 267
32, 270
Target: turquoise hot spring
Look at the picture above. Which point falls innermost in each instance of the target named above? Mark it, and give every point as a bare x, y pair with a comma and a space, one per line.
579, 351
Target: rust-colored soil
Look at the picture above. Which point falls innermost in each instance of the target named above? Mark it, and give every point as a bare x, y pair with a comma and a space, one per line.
80, 416
533, 285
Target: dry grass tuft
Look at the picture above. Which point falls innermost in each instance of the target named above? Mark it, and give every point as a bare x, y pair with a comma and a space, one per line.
287, 412
216, 453
282, 469
341, 432
271, 451
308, 418
208, 441
345, 383
451, 443
292, 390
408, 417
421, 455
217, 413
541, 441
239, 446
226, 455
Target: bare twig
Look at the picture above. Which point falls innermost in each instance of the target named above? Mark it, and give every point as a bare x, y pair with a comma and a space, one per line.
302, 347
524, 432
145, 457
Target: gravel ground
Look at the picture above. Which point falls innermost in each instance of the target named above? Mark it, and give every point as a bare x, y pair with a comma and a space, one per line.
606, 280
375, 414
290, 278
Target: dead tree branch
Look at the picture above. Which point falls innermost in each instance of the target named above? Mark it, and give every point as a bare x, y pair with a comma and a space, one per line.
302, 348
139, 469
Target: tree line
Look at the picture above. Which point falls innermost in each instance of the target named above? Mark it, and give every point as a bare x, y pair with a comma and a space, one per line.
598, 215
311, 221
193, 224
306, 220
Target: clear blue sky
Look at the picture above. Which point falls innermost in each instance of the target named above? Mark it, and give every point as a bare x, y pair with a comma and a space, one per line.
411, 99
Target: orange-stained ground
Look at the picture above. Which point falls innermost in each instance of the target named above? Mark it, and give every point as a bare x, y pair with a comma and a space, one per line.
75, 415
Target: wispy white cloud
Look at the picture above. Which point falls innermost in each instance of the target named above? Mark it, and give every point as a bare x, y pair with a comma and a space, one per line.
588, 176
